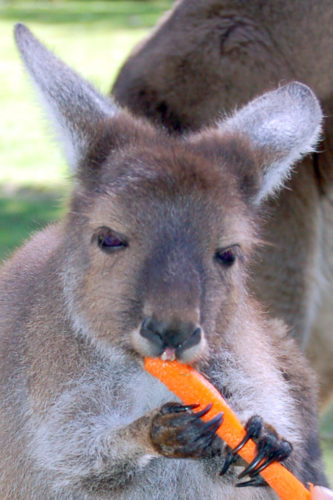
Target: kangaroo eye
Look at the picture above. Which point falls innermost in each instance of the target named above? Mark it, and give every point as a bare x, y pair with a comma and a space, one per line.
110, 241
227, 256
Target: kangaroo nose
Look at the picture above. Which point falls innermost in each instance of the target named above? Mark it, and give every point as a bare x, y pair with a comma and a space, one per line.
171, 337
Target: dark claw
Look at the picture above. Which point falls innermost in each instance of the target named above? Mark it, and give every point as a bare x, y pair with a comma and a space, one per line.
257, 481
241, 444
278, 456
204, 411
212, 425
230, 458
263, 466
270, 449
177, 408
253, 428
183, 408
250, 468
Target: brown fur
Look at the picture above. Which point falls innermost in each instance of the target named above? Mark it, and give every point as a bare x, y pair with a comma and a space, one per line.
203, 59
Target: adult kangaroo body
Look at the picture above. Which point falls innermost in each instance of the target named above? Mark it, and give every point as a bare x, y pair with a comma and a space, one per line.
205, 58
150, 260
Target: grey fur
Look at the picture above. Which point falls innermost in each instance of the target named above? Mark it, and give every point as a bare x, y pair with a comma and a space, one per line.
76, 405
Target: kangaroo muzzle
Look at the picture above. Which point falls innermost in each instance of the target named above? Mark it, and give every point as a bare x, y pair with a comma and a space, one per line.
170, 338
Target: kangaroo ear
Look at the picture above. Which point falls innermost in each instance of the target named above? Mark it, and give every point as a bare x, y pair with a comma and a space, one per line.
282, 126
75, 108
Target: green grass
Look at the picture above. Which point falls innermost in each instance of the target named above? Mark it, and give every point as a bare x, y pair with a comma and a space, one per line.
116, 14
327, 447
94, 37
326, 431
25, 212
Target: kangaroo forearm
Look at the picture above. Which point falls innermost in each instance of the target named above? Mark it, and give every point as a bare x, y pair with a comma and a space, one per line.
128, 445
91, 454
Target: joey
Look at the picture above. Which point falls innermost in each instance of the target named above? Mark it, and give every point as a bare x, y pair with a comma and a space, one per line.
150, 260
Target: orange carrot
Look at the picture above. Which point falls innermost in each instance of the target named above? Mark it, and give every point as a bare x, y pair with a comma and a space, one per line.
191, 387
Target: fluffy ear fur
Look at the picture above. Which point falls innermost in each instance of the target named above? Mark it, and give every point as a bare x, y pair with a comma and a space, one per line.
282, 125
76, 109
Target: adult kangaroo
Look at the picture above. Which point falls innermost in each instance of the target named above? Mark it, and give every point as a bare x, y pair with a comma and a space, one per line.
205, 58
150, 260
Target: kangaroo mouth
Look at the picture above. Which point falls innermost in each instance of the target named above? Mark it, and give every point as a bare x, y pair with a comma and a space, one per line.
148, 343
171, 353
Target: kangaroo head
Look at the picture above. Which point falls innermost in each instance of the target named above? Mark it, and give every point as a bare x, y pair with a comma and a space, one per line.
160, 229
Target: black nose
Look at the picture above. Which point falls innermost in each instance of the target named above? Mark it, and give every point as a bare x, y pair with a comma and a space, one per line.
174, 334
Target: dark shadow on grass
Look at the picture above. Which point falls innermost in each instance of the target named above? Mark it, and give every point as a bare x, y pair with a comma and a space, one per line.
24, 213
118, 14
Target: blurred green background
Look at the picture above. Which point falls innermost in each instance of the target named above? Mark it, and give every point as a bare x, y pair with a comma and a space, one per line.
94, 37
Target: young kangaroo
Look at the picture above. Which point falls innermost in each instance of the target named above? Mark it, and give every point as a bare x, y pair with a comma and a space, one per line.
207, 56
150, 260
